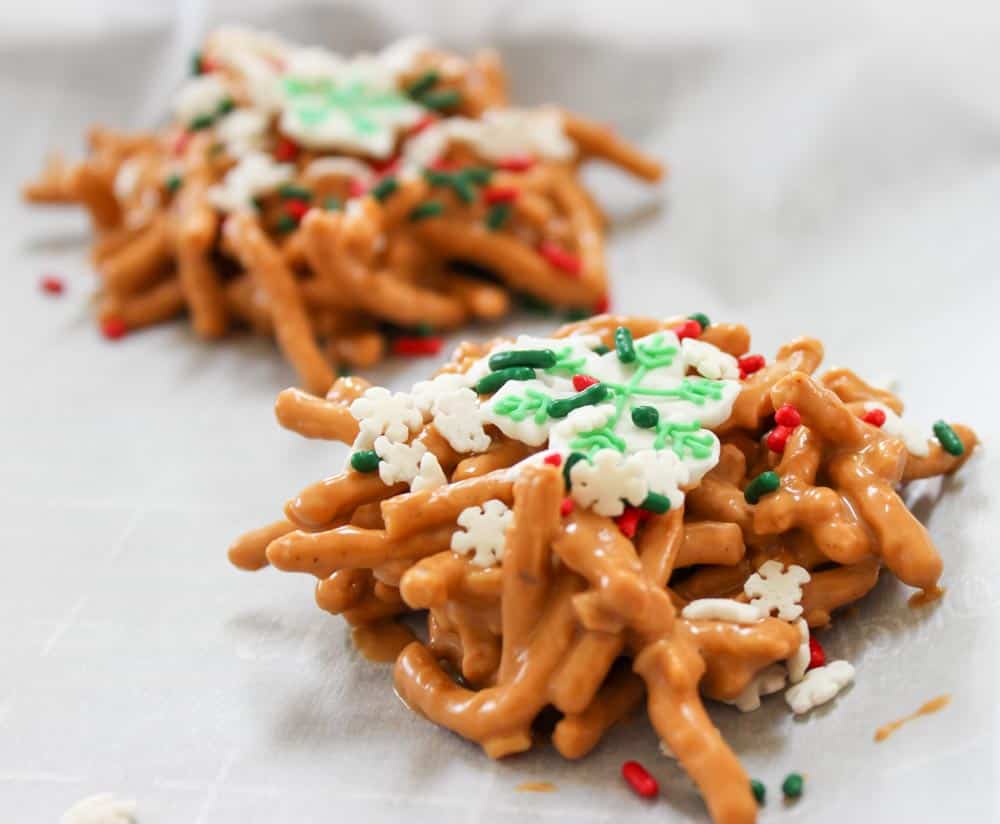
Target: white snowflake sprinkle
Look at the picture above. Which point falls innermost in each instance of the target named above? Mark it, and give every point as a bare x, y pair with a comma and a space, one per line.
710, 361
799, 662
430, 475
915, 438
459, 419
664, 472
200, 96
768, 680
774, 588
102, 808
607, 481
400, 461
722, 609
381, 412
484, 534
242, 131
256, 174
819, 686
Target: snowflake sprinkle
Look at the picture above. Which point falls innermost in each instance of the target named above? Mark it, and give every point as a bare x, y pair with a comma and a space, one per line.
459, 419
774, 588
607, 481
710, 361
484, 534
102, 808
400, 461
819, 686
381, 412
430, 475
913, 436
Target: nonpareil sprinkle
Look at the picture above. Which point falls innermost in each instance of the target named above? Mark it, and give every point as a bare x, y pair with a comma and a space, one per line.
113, 328
500, 194
624, 346
763, 484
702, 320
759, 790
52, 285
792, 785
749, 364
602, 305
566, 507
333, 204
777, 438
950, 442
492, 382
601, 349
366, 460
286, 150
581, 382
553, 459
688, 329
285, 224
645, 417
654, 502
787, 415
876, 417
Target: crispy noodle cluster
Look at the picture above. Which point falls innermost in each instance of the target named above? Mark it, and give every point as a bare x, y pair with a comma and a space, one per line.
341, 205
668, 595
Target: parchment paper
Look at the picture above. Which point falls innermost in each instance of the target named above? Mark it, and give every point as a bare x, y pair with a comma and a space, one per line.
835, 172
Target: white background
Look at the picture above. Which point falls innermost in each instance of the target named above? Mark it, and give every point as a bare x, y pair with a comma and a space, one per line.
835, 172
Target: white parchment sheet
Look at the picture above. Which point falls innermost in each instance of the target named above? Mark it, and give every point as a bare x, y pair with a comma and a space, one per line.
835, 172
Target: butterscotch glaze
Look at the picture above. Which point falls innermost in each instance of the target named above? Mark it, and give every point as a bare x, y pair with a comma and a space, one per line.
536, 787
929, 708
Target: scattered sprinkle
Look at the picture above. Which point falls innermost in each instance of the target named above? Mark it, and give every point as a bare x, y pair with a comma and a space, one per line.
429, 208
566, 507
500, 194
603, 305
640, 780
423, 84
53, 285
384, 189
581, 382
366, 460
702, 320
749, 364
763, 484
560, 258
572, 460
624, 346
654, 502
516, 163
553, 459
601, 349
535, 358
792, 785
292, 191
113, 328
645, 417
817, 656
173, 182
688, 329
202, 121
333, 204
787, 415
286, 151
285, 223
759, 790
588, 397
497, 216
950, 442
296, 208
447, 99
876, 417
492, 382
409, 345
778, 437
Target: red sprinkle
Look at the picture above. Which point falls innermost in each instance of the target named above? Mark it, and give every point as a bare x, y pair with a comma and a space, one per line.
553, 459
581, 382
286, 151
207, 64
181, 143
639, 780
566, 506
778, 437
560, 258
113, 328
516, 163
876, 417
688, 329
750, 364
384, 167
422, 124
817, 657
628, 522
787, 415
296, 208
500, 194
602, 305
442, 164
357, 188
53, 285
407, 345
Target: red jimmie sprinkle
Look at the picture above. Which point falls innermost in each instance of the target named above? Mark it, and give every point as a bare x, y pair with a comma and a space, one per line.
688, 329
566, 506
113, 328
639, 780
52, 284
286, 151
384, 167
560, 258
750, 364
181, 143
787, 415
207, 65
417, 346
581, 382
876, 417
516, 163
296, 208
553, 459
422, 124
817, 657
442, 164
602, 305
500, 194
628, 522
357, 188
778, 437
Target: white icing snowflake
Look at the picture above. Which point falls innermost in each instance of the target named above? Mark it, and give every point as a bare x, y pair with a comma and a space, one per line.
664, 472
532, 424
819, 686
709, 361
798, 663
430, 475
606, 481
768, 680
200, 96
102, 808
773, 587
722, 609
256, 174
400, 461
381, 412
484, 534
459, 419
915, 438
242, 131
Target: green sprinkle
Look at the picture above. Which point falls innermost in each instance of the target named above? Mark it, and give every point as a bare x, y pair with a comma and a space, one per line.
173, 182
429, 208
333, 204
291, 191
437, 178
576, 313
624, 345
792, 785
286, 224
423, 84
758, 789
461, 187
196, 63
645, 417
950, 442
202, 121
497, 216
601, 349
702, 319
533, 304
535, 358
226, 106
480, 175
763, 484
423, 329
655, 502
384, 188
343, 371
595, 393
492, 382
447, 99
571, 460
365, 461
